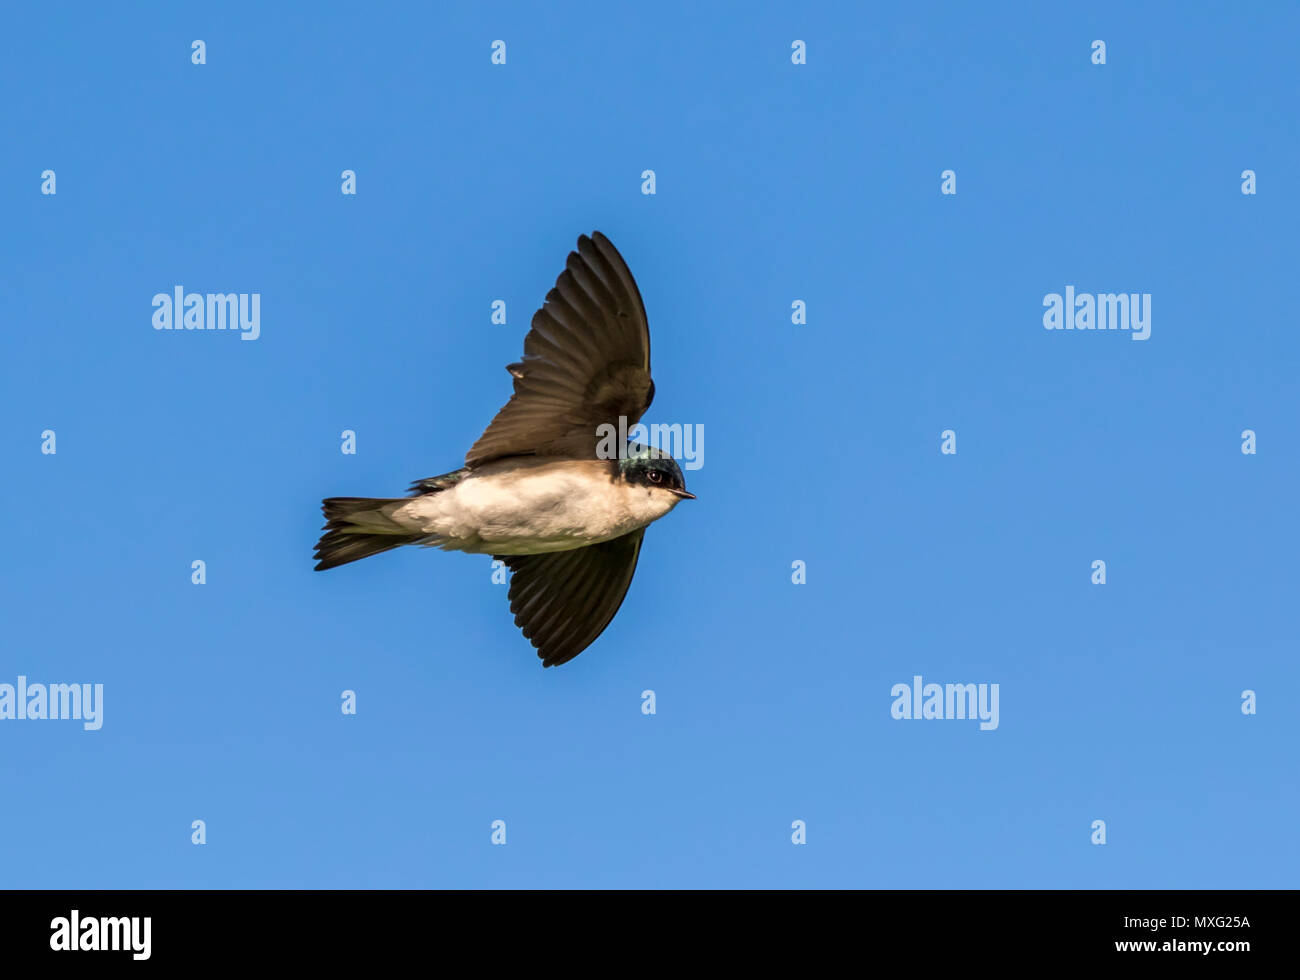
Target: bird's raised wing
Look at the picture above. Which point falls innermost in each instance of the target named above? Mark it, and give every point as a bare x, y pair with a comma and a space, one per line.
586, 362
563, 600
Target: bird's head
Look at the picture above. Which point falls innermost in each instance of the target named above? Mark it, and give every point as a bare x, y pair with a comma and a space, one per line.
654, 469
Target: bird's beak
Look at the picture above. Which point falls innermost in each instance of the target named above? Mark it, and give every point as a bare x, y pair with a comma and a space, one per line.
684, 495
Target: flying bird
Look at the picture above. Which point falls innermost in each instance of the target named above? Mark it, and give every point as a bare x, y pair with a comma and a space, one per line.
541, 489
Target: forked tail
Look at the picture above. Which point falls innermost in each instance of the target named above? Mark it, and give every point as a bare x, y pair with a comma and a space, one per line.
358, 527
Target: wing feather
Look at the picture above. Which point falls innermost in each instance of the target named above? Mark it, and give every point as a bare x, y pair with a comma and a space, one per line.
586, 363
563, 600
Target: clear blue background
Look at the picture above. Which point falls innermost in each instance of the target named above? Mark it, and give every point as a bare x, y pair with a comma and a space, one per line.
775, 183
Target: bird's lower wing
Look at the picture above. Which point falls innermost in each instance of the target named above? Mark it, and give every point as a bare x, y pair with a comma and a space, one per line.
563, 600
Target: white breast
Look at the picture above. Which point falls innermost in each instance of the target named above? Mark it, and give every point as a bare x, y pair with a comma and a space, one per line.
532, 505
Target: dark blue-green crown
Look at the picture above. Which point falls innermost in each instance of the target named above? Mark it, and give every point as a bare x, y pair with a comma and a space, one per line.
643, 461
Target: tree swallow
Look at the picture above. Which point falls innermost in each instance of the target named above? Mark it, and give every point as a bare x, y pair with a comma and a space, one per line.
541, 490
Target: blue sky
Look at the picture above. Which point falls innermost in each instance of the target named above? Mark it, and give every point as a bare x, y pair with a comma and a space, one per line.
775, 183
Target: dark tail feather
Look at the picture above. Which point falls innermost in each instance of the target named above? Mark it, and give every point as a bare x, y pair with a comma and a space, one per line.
356, 527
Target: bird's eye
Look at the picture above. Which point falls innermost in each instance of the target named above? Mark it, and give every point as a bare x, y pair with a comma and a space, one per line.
656, 476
